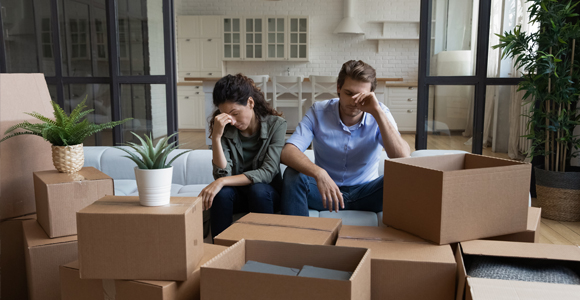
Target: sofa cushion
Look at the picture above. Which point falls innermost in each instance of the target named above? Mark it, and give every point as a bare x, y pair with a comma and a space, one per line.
199, 167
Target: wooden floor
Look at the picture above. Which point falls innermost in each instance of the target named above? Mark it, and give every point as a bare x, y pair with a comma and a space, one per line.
551, 232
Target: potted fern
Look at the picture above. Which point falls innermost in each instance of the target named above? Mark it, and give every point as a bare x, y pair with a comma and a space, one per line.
550, 62
66, 133
153, 173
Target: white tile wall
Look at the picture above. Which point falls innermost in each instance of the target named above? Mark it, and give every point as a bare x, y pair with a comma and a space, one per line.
397, 58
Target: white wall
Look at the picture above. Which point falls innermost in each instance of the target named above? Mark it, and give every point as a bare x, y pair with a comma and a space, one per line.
327, 51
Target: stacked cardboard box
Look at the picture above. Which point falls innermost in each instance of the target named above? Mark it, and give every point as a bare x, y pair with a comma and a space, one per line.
292, 229
43, 257
121, 239
403, 266
60, 195
73, 287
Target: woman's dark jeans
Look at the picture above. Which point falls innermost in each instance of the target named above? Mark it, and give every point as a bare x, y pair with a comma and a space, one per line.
258, 197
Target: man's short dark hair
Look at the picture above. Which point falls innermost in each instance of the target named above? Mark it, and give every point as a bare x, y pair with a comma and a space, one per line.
359, 71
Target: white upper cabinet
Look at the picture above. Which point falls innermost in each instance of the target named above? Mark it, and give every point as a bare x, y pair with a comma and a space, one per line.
210, 26
232, 38
276, 38
189, 26
199, 46
298, 38
254, 39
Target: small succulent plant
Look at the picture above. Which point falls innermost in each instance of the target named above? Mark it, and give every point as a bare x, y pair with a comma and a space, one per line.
152, 157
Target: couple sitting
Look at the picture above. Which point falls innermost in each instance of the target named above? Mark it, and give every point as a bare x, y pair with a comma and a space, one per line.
348, 135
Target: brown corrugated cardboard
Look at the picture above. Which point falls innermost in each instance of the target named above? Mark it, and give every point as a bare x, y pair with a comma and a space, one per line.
224, 271
281, 228
456, 197
121, 239
60, 195
14, 286
532, 233
401, 263
483, 288
74, 288
22, 155
43, 258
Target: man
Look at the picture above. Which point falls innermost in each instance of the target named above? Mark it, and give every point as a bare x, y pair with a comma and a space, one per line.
348, 135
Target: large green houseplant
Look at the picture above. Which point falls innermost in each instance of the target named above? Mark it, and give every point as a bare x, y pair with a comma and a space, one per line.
153, 172
66, 133
549, 60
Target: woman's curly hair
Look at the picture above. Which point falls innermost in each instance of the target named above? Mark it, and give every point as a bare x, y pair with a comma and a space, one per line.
238, 89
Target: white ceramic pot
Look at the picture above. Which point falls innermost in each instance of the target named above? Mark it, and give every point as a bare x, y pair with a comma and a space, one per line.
154, 186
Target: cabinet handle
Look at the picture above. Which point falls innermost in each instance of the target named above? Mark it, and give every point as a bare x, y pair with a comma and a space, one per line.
209, 40
411, 88
197, 86
210, 73
188, 73
409, 110
197, 93
410, 99
187, 40
186, 97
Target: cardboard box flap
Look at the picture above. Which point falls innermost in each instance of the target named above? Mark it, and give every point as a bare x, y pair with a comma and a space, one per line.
404, 251
379, 234
323, 224
86, 173
235, 259
461, 275
130, 205
35, 236
534, 218
523, 250
493, 289
475, 161
448, 162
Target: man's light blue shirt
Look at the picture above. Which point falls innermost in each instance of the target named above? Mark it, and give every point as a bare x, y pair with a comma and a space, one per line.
349, 155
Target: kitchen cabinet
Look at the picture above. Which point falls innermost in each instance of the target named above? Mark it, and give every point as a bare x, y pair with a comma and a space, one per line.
199, 47
232, 38
402, 102
190, 107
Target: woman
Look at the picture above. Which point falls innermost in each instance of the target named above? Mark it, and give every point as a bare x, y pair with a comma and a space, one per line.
247, 137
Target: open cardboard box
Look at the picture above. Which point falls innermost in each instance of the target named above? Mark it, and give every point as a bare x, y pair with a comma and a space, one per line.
403, 266
456, 197
222, 278
73, 287
483, 288
281, 228
21, 155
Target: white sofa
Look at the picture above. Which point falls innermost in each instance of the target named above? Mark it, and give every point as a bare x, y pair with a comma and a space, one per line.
191, 173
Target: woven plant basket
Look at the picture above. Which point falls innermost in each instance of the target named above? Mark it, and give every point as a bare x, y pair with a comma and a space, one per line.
558, 194
68, 159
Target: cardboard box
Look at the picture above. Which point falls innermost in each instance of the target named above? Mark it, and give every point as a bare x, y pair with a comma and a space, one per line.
484, 288
403, 266
12, 260
456, 197
531, 234
121, 239
21, 155
74, 288
60, 195
43, 258
281, 228
221, 277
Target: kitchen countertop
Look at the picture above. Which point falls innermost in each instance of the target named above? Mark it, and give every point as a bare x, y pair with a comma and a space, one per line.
306, 79
400, 84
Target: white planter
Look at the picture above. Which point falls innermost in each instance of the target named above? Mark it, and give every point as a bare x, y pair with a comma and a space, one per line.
154, 186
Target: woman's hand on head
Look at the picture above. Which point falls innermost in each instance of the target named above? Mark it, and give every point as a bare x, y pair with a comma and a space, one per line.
220, 122
209, 192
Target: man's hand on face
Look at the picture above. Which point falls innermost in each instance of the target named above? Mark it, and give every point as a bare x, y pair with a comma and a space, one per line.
331, 195
367, 102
